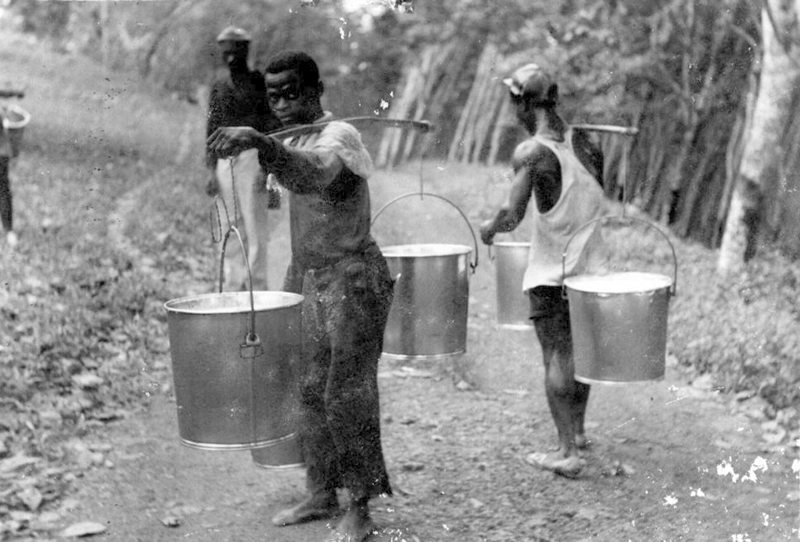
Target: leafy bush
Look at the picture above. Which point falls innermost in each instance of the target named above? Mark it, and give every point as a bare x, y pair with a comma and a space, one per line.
742, 329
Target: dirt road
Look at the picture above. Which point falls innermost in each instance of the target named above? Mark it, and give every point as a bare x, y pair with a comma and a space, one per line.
668, 461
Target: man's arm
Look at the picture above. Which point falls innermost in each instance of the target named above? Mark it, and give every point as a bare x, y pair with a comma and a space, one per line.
302, 172
537, 175
513, 212
589, 153
214, 119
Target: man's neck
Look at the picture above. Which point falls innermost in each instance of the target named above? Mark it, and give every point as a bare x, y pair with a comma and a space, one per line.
239, 71
550, 125
315, 115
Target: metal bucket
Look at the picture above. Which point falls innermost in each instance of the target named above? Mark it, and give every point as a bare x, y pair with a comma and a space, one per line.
15, 120
235, 359
428, 317
233, 368
283, 454
619, 323
619, 326
513, 305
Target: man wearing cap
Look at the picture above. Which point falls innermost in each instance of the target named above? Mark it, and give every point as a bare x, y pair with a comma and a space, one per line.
339, 269
561, 169
6, 205
240, 99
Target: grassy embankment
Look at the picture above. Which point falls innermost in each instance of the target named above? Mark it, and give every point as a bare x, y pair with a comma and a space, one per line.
83, 339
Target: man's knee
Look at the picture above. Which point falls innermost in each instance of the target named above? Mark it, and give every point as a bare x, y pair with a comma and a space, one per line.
559, 384
560, 373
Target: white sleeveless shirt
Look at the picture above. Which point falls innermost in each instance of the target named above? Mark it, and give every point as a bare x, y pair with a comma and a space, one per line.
581, 201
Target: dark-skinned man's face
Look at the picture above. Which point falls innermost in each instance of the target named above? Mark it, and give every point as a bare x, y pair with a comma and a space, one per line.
235, 53
289, 100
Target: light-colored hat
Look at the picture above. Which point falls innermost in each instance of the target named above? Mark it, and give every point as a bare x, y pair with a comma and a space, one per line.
233, 33
532, 81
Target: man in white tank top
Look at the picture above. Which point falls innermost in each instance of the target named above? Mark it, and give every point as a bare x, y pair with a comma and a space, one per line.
561, 170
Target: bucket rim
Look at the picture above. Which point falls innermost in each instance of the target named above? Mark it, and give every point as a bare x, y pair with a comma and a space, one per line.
573, 283
618, 383
446, 249
444, 356
171, 306
513, 244
16, 124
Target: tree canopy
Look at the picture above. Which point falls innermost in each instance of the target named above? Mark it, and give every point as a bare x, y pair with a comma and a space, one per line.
683, 71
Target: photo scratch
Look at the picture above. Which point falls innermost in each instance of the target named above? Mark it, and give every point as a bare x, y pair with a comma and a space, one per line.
623, 424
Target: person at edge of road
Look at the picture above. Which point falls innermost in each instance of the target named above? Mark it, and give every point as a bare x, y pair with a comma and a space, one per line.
339, 269
561, 169
240, 99
6, 154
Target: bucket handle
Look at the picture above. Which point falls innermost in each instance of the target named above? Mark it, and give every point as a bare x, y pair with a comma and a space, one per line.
625, 220
252, 342
472, 265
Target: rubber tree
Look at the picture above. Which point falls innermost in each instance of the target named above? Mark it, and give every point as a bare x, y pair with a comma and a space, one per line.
763, 152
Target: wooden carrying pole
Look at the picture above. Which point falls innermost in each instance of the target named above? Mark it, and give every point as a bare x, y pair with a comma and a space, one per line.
291, 131
607, 128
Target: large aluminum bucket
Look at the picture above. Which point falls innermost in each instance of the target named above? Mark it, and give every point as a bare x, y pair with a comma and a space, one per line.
513, 305
283, 454
619, 326
428, 317
234, 363
619, 320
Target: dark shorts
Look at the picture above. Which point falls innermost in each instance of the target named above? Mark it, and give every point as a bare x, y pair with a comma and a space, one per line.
547, 301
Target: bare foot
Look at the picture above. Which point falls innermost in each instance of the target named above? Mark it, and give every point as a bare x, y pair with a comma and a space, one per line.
355, 526
581, 442
569, 467
319, 506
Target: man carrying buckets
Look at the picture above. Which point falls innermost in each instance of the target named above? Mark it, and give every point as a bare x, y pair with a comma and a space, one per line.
342, 274
8, 151
562, 170
239, 99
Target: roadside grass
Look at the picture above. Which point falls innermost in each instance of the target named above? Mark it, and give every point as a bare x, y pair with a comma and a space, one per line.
83, 340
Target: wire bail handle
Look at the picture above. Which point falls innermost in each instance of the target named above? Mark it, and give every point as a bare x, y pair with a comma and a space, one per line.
472, 265
627, 221
252, 342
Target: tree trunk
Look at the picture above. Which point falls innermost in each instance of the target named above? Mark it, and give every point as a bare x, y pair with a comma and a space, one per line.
733, 157
763, 151
787, 204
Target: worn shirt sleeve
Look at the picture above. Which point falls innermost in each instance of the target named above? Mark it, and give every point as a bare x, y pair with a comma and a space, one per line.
313, 168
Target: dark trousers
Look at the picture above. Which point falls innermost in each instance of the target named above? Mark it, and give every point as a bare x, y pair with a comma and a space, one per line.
5, 195
344, 315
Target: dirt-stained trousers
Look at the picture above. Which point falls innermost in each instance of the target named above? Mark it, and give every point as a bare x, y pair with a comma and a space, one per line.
345, 311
